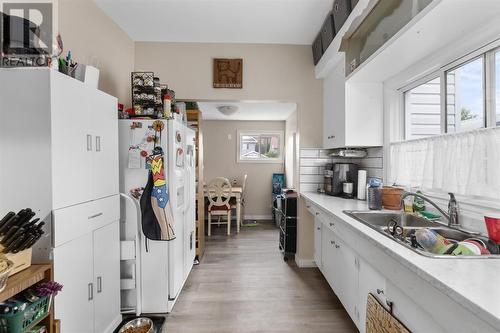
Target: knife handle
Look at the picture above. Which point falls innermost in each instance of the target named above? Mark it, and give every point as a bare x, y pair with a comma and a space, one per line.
18, 233
14, 244
7, 217
7, 224
8, 235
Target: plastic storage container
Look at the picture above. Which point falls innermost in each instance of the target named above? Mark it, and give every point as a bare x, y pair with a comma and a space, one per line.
375, 198
22, 320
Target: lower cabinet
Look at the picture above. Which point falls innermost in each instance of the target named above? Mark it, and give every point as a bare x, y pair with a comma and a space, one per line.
89, 269
317, 242
370, 281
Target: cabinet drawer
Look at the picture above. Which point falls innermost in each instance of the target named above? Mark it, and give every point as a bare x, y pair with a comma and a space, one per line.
72, 222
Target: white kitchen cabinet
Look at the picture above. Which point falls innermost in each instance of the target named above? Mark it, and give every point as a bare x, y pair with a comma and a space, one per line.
345, 275
89, 269
62, 143
73, 125
370, 281
352, 112
414, 317
70, 138
107, 277
317, 242
74, 305
328, 256
105, 143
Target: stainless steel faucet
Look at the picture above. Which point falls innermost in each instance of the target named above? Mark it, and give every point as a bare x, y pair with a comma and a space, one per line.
451, 216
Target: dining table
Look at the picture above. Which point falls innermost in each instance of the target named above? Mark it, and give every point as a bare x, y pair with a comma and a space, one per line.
236, 192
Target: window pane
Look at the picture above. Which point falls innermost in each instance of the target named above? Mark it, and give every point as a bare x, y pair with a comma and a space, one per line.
249, 148
465, 97
497, 86
270, 146
423, 110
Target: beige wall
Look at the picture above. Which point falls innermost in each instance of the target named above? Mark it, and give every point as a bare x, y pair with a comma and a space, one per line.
220, 160
270, 72
95, 39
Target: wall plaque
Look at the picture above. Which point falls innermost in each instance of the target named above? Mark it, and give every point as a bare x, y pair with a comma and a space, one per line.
228, 73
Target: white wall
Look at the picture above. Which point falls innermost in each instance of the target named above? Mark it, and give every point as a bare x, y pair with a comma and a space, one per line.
95, 39
220, 160
270, 72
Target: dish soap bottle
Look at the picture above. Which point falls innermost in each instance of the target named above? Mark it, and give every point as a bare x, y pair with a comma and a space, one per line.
418, 203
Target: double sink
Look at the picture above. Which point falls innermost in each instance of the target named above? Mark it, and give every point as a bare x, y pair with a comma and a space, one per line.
379, 221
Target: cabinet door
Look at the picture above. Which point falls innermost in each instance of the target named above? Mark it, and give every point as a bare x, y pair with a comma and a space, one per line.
317, 242
71, 142
345, 275
327, 256
105, 143
107, 276
370, 281
334, 108
73, 269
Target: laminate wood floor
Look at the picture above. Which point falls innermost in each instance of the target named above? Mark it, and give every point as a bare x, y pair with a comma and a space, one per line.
243, 286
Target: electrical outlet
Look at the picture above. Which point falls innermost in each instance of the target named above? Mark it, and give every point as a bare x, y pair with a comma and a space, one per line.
229, 137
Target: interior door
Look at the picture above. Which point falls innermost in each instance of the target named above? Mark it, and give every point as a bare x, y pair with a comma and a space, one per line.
107, 276
73, 269
105, 143
317, 242
72, 142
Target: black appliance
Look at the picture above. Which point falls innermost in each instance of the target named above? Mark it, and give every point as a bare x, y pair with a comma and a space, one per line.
287, 217
340, 173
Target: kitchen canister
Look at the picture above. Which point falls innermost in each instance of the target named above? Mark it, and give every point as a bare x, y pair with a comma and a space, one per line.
362, 185
375, 198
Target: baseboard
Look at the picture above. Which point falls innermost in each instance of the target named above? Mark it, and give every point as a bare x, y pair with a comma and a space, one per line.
258, 217
305, 263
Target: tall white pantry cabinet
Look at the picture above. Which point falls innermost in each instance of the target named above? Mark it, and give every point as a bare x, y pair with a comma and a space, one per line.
59, 156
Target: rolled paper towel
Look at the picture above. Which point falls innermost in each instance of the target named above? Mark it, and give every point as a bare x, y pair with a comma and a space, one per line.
362, 184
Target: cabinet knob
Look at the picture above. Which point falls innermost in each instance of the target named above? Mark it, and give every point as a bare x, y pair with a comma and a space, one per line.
90, 291
332, 224
380, 291
99, 284
337, 246
332, 242
318, 228
317, 213
308, 206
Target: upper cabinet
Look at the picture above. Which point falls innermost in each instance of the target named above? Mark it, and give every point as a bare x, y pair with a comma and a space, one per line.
352, 112
64, 135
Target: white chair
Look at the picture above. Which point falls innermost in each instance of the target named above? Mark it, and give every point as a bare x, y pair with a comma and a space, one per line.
242, 200
219, 193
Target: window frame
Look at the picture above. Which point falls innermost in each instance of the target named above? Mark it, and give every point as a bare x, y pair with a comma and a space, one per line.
276, 160
486, 52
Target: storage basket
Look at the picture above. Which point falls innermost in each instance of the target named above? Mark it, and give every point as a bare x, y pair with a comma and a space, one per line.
22, 320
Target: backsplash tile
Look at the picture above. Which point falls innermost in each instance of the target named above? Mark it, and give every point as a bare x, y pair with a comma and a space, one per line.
313, 161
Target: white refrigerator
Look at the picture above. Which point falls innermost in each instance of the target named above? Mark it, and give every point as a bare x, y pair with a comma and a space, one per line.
154, 272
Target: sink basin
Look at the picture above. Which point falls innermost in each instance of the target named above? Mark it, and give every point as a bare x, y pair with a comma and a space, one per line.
378, 221
381, 219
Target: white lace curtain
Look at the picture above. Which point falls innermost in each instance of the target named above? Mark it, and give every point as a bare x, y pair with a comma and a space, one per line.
464, 163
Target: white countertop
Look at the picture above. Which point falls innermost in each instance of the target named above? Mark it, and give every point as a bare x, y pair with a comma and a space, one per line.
474, 283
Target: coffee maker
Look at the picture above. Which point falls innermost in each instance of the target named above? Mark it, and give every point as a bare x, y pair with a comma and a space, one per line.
338, 174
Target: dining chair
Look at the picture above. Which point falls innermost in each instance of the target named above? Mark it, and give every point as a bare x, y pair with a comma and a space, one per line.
219, 193
242, 200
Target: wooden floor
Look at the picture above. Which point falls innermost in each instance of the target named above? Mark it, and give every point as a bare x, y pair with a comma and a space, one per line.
243, 285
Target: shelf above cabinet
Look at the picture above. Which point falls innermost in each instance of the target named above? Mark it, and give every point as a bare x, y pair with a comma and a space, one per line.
436, 26
332, 55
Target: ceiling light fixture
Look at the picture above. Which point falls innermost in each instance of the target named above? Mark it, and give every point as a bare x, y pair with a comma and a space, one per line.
227, 109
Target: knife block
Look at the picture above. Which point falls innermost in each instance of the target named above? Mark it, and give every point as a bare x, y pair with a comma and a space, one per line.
21, 260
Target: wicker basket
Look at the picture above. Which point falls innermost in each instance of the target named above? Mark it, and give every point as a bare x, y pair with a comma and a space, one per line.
5, 275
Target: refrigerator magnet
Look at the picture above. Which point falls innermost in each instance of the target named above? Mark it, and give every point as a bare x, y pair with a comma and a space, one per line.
158, 125
134, 158
179, 158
